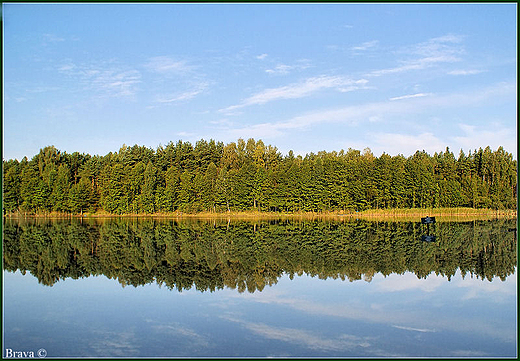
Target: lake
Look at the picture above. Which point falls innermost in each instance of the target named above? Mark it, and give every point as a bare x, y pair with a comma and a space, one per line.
267, 288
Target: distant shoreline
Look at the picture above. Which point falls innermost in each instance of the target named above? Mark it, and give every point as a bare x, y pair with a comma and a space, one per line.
401, 213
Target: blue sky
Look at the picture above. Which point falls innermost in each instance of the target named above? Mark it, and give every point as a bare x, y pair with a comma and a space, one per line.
304, 77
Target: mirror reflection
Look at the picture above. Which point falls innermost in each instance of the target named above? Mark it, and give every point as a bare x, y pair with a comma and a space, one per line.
250, 255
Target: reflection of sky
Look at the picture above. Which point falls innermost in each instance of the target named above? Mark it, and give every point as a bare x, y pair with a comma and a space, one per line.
397, 315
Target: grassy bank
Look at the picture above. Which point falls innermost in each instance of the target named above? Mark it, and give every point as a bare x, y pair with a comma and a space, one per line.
387, 214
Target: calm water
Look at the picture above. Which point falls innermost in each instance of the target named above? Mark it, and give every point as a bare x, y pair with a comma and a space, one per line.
145, 288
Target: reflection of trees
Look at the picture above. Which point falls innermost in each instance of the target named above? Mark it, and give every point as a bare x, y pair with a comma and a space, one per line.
248, 256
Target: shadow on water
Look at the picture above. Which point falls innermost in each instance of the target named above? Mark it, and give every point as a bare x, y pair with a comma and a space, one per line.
244, 255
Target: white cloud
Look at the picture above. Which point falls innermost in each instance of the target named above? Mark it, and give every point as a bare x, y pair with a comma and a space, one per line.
179, 97
52, 38
392, 143
222, 122
444, 49
42, 89
168, 65
104, 79
280, 69
418, 95
494, 135
183, 96
284, 69
300, 90
113, 82
406, 144
187, 78
262, 56
67, 67
465, 72
365, 46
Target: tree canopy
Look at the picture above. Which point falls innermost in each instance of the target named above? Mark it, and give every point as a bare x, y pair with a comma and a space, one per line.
247, 175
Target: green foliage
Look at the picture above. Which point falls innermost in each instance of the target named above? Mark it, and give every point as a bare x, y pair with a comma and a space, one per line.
250, 176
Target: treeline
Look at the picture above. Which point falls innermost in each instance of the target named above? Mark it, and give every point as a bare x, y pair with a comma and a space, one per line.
244, 255
244, 176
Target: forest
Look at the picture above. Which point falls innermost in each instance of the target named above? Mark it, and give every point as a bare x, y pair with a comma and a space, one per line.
211, 176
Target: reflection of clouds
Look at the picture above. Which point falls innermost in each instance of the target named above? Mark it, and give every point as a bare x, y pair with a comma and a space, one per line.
413, 329
424, 309
343, 342
177, 330
468, 353
349, 309
110, 344
193, 339
478, 288
407, 281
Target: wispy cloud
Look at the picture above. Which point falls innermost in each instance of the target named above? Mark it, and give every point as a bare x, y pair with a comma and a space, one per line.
418, 95
280, 69
413, 329
167, 65
104, 79
179, 97
365, 46
439, 45
347, 115
42, 89
465, 72
186, 75
67, 67
52, 38
224, 122
394, 143
444, 49
183, 96
300, 90
262, 56
185, 134
284, 69
118, 83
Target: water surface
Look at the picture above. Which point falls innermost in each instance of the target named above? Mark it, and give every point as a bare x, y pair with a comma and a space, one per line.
286, 288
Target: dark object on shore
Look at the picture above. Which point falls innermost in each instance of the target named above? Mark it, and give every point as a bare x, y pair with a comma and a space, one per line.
428, 238
427, 220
